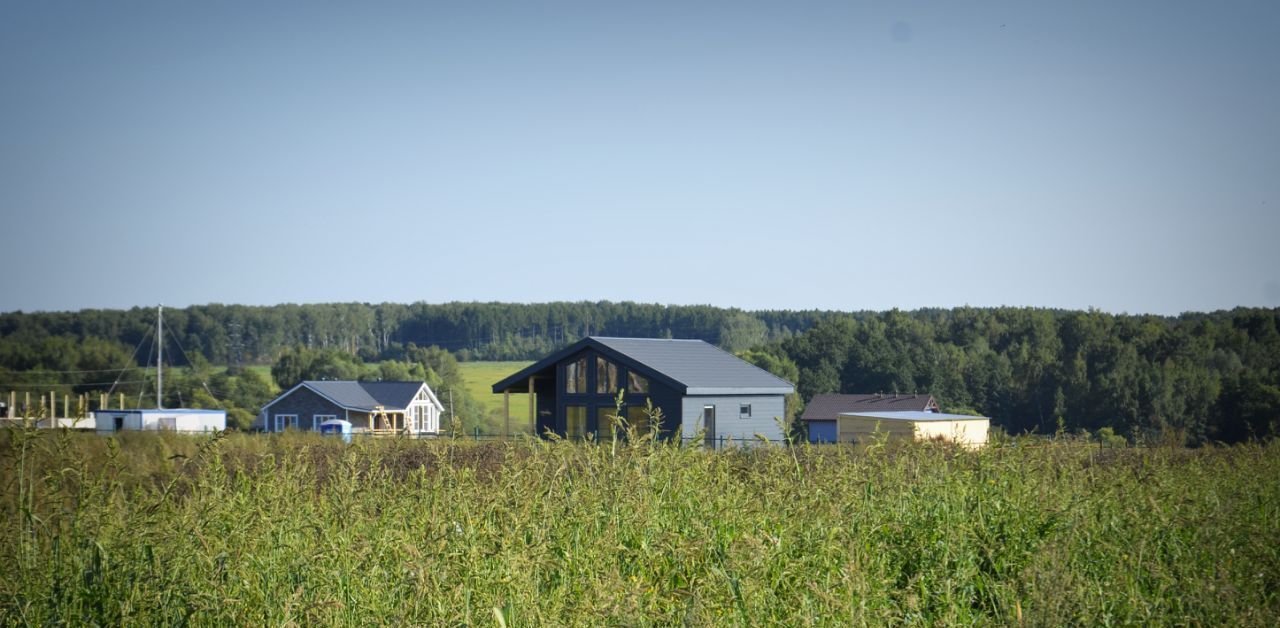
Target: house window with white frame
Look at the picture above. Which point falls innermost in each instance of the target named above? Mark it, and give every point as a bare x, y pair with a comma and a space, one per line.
744, 411
317, 419
286, 420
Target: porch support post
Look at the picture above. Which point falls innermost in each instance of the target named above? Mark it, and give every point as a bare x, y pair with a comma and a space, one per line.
506, 412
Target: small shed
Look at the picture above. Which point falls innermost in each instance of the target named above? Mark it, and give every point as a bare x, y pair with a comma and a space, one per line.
861, 427
822, 410
173, 420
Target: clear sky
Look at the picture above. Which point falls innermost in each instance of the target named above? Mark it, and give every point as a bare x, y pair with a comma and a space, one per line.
843, 155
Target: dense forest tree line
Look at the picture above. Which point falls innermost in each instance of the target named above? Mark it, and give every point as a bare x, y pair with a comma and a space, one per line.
231, 334
1198, 377
1213, 376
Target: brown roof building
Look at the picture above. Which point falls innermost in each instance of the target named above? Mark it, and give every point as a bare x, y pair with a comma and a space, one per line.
827, 407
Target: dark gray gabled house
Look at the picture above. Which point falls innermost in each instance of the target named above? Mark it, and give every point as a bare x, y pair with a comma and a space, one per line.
698, 387
409, 407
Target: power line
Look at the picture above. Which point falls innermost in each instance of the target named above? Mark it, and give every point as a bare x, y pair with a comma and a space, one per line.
179, 343
45, 371
132, 358
143, 389
46, 384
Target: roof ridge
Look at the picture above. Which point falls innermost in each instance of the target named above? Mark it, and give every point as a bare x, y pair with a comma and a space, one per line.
649, 339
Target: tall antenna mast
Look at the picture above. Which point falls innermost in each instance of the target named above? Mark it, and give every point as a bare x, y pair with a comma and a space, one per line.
159, 356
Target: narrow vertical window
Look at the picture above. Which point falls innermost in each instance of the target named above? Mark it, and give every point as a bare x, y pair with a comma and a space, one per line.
605, 424
606, 376
575, 422
638, 419
575, 376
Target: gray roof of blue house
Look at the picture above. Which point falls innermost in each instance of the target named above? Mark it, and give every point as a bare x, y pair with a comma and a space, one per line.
367, 395
701, 368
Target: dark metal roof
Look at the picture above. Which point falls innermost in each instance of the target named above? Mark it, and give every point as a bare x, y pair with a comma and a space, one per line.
699, 368
915, 415
825, 407
393, 394
367, 395
702, 367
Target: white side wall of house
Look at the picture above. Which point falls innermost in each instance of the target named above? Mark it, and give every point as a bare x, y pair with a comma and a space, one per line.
766, 411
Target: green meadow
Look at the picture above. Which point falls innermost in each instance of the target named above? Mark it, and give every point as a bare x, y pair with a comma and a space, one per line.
480, 377
149, 528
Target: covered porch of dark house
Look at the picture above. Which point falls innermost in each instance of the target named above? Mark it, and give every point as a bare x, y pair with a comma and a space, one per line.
541, 390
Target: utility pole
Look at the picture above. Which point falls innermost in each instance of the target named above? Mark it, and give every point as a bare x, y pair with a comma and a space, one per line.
159, 356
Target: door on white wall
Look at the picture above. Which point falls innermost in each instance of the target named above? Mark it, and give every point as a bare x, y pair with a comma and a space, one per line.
709, 425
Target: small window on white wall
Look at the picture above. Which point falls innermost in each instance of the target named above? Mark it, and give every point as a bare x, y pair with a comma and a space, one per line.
744, 411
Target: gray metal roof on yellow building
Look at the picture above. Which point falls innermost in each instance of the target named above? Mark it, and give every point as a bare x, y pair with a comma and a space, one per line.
915, 415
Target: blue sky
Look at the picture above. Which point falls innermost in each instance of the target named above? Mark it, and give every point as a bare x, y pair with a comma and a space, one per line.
843, 155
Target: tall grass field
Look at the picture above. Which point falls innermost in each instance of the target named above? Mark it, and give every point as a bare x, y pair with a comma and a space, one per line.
298, 529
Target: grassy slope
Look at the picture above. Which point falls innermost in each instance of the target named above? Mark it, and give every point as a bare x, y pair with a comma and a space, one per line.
480, 377
298, 529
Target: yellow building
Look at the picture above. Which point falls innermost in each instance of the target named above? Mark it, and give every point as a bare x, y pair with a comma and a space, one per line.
863, 427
